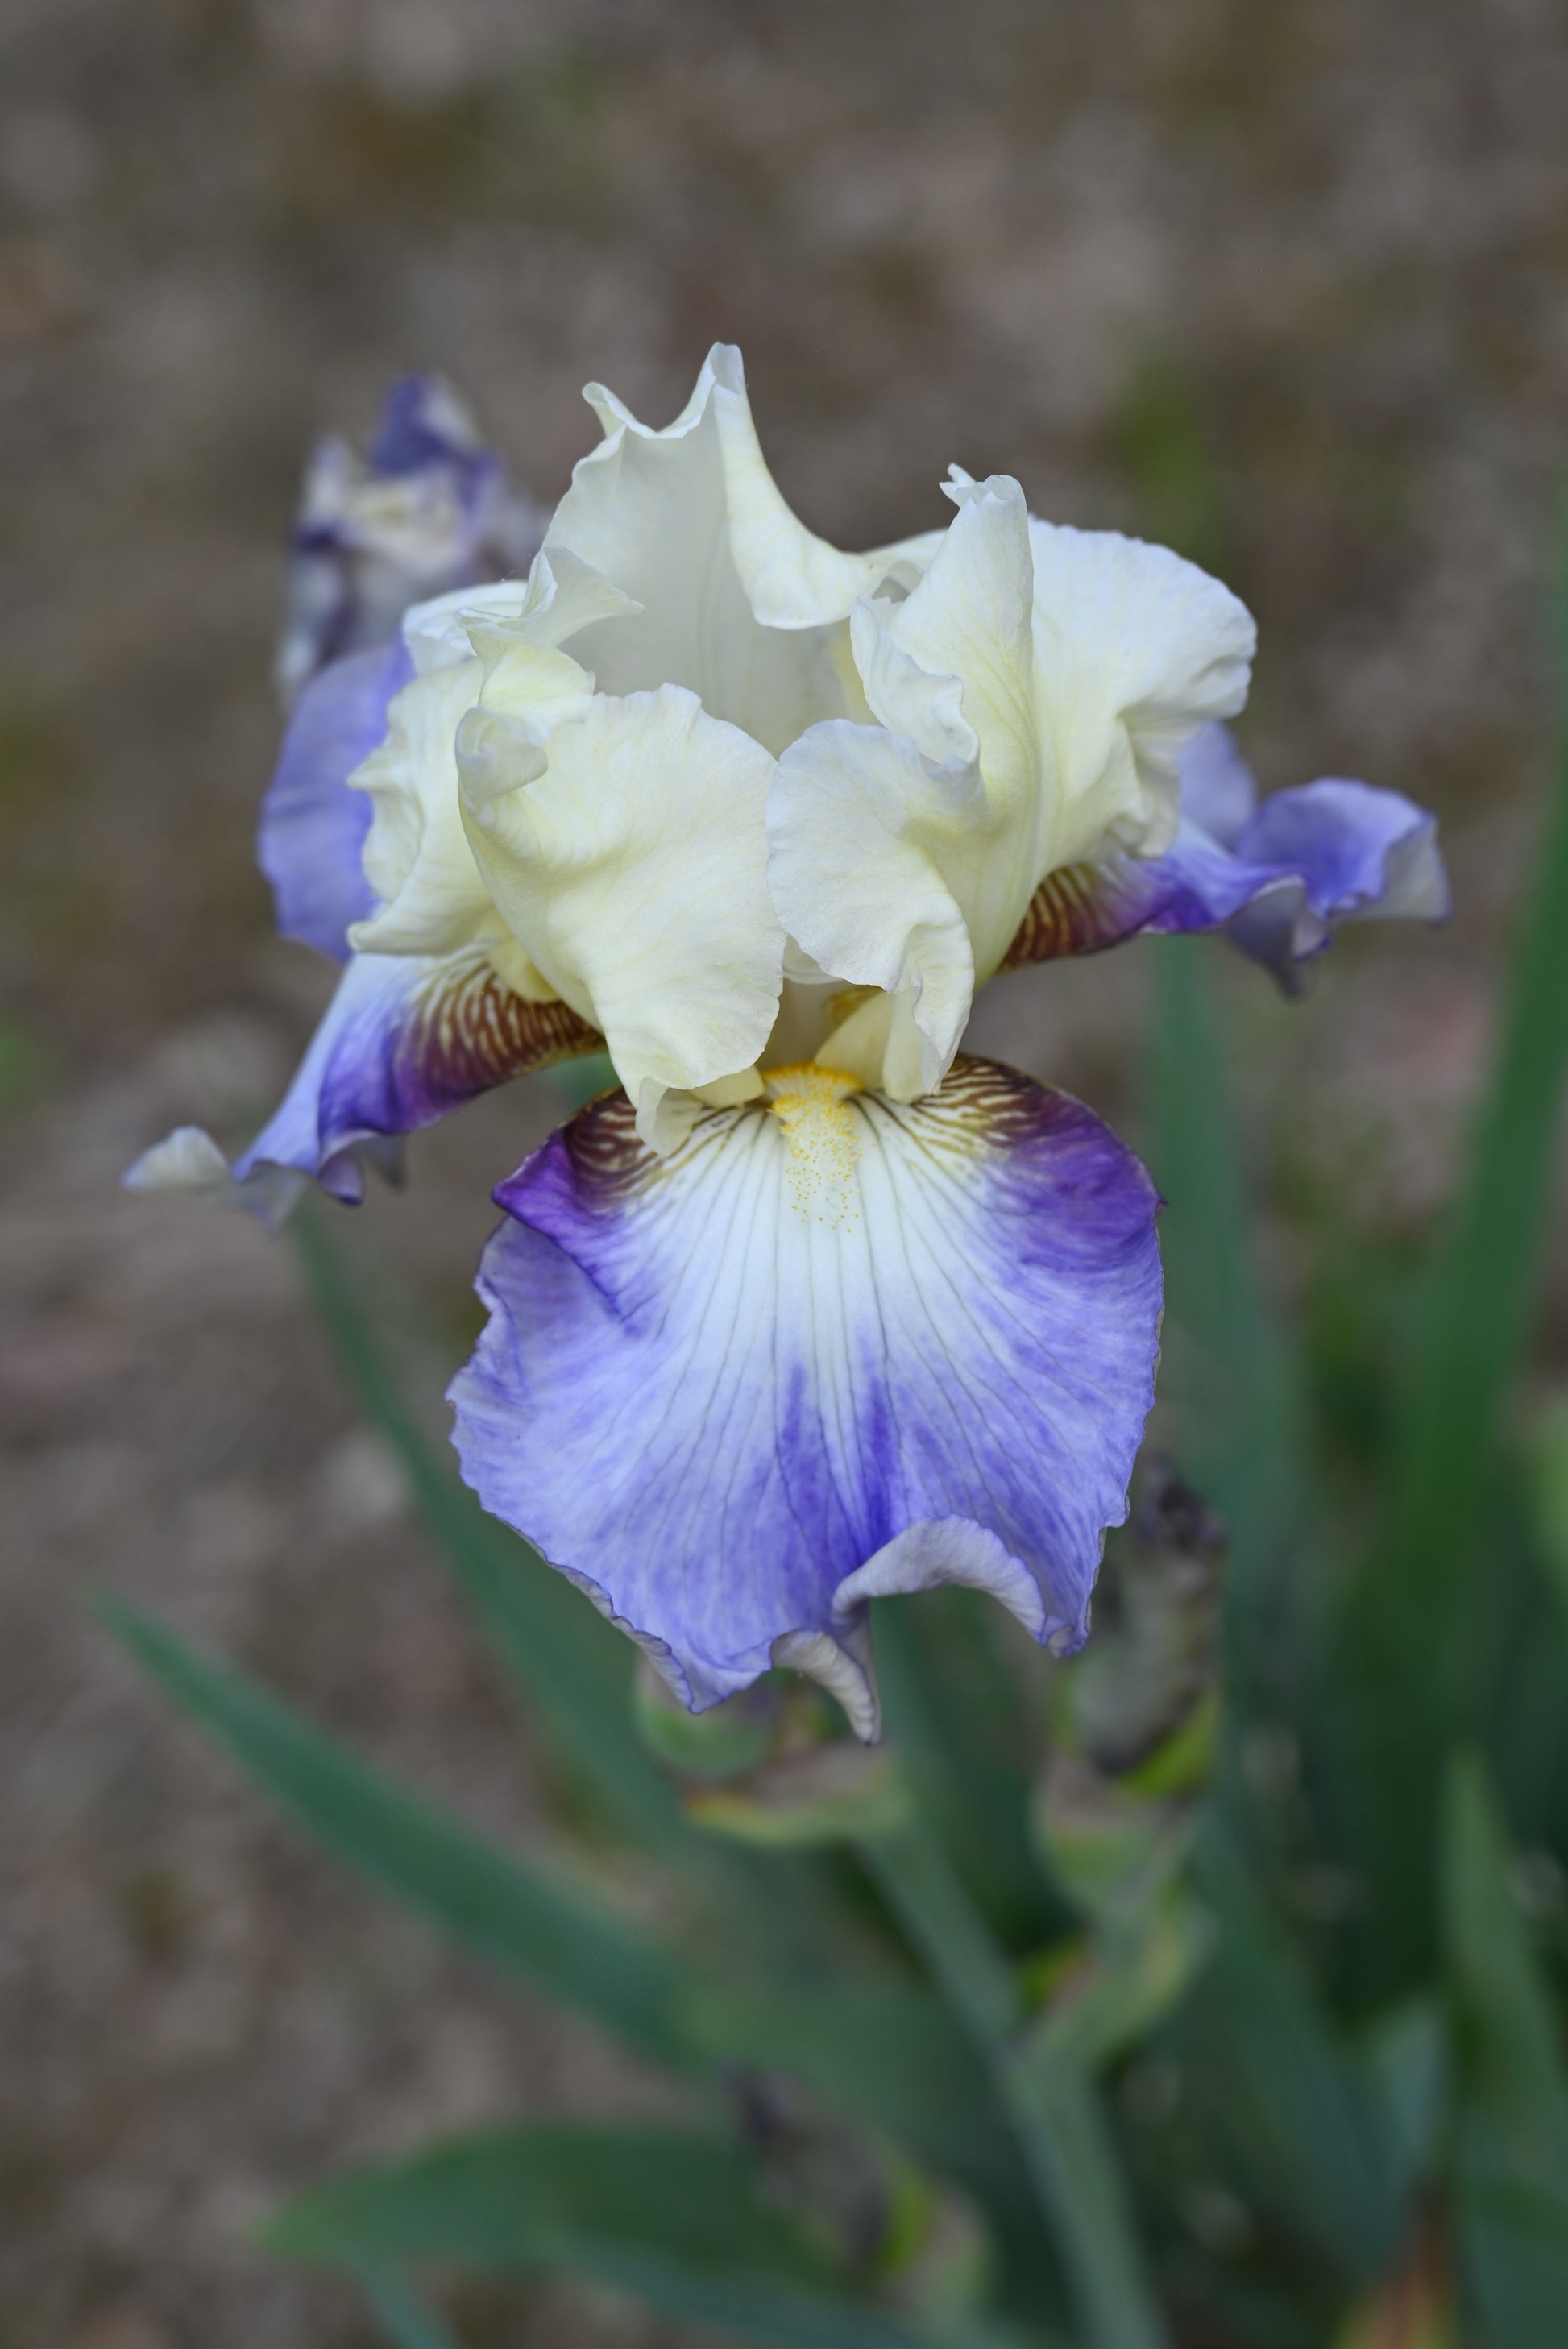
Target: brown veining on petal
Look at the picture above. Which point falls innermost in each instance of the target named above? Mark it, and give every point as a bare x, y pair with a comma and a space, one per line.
470, 1030
1073, 911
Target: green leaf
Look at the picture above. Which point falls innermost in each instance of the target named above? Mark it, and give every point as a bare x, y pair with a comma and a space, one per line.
1408, 1654
887, 2049
408, 2322
519, 1914
1076, 2169
1055, 2114
1303, 2133
1234, 1383
575, 1668
537, 1924
955, 1706
674, 2216
1481, 1301
1512, 2133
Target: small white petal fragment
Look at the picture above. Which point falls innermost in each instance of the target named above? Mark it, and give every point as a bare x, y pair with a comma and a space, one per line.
632, 875
187, 1160
187, 1163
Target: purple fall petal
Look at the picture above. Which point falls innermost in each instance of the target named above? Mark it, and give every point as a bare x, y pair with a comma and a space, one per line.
312, 833
1279, 877
816, 1355
405, 1040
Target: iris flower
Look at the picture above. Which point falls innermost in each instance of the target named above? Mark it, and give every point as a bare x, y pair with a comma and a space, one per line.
812, 1307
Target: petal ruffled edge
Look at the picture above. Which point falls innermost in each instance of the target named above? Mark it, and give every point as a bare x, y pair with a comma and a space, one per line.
404, 1041
1278, 878
830, 1349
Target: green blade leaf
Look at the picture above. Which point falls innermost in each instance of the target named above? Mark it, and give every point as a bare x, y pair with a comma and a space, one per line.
575, 1668
1301, 2124
1056, 2118
1409, 1661
956, 1711
1480, 1306
1234, 1383
1511, 2134
519, 1914
409, 2325
675, 2217
535, 1923
889, 2051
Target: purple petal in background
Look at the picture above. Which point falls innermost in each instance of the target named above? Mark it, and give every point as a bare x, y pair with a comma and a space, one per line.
427, 510
313, 827
832, 1348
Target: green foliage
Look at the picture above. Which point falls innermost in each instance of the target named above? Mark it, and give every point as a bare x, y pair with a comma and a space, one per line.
1511, 2118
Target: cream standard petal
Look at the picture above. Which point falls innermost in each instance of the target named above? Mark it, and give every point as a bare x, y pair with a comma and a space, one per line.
650, 512
1135, 649
1035, 688
864, 841
631, 870
902, 857
416, 856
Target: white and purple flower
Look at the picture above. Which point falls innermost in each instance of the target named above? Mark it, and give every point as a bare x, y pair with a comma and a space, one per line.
814, 1308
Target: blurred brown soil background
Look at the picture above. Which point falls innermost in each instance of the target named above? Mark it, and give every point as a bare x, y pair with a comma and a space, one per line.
1288, 284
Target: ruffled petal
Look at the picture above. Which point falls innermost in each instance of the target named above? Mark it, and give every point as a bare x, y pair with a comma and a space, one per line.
863, 839
628, 862
1034, 691
792, 578
429, 510
1359, 851
1135, 650
310, 839
500, 641
1280, 877
829, 1349
404, 1040
649, 510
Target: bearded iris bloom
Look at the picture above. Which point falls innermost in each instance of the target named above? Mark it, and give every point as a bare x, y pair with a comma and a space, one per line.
813, 1307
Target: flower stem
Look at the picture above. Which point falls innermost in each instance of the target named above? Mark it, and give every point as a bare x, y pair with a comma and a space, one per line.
1052, 2106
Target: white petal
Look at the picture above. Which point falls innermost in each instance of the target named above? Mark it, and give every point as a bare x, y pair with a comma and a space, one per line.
649, 512
417, 856
502, 643
1134, 650
864, 837
632, 873
436, 631
1037, 687
187, 1160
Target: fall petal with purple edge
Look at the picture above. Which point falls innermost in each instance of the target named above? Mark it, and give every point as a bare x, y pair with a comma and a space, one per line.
829, 1348
310, 839
1279, 877
405, 1040
1354, 854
